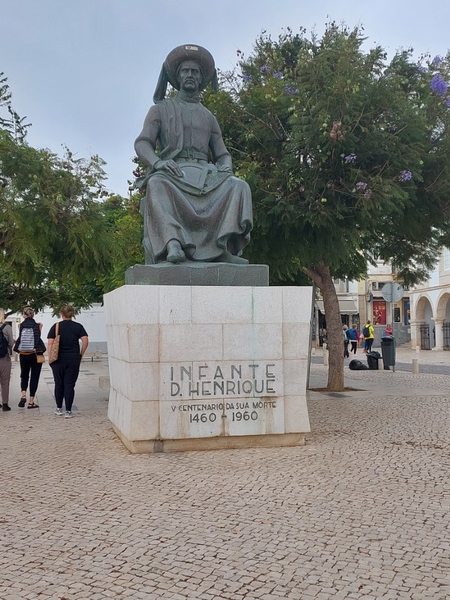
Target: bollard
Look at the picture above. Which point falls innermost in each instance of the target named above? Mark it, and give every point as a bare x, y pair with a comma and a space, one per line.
415, 366
325, 356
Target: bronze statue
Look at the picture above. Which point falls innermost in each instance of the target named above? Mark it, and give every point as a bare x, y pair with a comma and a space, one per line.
194, 209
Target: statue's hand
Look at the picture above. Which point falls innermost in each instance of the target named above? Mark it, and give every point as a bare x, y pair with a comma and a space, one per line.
168, 165
224, 168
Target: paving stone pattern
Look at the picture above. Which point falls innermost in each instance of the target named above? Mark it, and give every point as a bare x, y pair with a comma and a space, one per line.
361, 511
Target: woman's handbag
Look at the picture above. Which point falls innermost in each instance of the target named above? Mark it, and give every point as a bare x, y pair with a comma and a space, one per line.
40, 358
54, 352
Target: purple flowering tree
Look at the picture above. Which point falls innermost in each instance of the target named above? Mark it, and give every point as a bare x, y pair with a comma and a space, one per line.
348, 158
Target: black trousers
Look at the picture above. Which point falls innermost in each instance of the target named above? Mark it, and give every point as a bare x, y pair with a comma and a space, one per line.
65, 375
28, 363
354, 346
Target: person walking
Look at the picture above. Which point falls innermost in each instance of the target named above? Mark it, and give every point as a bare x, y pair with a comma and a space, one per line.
353, 336
6, 346
29, 345
67, 366
369, 336
346, 340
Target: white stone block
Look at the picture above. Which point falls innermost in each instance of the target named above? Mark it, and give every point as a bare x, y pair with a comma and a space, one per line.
296, 414
221, 304
295, 375
188, 342
178, 421
254, 416
256, 341
135, 381
268, 305
136, 420
297, 304
295, 340
209, 380
175, 304
142, 343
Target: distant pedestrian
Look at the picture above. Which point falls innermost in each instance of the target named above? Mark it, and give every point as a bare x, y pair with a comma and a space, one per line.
6, 346
346, 341
67, 367
388, 331
29, 345
369, 336
353, 336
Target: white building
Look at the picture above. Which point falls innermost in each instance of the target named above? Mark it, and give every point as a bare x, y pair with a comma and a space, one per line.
92, 319
430, 308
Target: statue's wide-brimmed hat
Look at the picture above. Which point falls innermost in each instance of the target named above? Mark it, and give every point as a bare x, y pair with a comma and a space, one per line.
179, 55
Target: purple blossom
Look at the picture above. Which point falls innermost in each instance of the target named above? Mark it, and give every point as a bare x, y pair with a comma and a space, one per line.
264, 69
438, 84
350, 158
422, 69
278, 75
290, 90
361, 185
405, 175
436, 60
447, 102
368, 193
246, 77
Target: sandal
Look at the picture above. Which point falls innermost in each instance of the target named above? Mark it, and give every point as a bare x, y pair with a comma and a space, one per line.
22, 402
33, 405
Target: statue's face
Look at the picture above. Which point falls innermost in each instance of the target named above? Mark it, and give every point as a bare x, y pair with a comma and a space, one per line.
189, 76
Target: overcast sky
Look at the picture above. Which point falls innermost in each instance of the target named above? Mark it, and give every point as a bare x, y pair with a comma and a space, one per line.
84, 71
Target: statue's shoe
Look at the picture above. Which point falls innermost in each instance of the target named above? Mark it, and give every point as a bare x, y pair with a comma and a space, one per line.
227, 257
175, 253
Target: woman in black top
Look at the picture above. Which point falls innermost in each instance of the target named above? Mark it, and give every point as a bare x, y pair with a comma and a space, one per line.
29, 344
67, 367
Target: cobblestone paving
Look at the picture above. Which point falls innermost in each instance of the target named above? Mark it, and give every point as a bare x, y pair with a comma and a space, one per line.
362, 511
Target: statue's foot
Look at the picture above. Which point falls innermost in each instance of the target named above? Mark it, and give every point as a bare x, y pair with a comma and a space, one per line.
175, 252
227, 257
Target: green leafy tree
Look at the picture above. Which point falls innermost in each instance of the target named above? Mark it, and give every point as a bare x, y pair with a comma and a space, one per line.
53, 236
347, 155
125, 226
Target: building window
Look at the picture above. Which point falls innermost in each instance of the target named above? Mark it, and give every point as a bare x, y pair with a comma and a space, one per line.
446, 259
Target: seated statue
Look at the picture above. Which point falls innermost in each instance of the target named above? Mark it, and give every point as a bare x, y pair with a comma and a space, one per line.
194, 209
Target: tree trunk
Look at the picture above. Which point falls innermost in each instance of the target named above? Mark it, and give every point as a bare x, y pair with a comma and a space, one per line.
321, 276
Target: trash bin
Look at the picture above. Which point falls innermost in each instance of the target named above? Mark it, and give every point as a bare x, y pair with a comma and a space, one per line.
388, 351
372, 360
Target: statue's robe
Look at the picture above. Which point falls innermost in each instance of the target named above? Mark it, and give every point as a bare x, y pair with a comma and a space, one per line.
206, 210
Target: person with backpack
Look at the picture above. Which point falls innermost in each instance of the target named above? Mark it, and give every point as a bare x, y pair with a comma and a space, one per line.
353, 336
6, 345
29, 345
346, 340
369, 336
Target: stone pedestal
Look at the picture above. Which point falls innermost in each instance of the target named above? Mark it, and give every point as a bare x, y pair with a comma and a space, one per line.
196, 368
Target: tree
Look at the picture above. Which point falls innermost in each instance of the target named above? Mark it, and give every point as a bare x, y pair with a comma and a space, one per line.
53, 236
125, 227
347, 155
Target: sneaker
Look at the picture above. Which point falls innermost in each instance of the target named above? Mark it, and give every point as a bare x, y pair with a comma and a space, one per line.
22, 402
5, 407
68, 414
58, 412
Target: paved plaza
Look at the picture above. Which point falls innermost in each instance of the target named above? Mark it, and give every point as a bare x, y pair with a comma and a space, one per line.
361, 511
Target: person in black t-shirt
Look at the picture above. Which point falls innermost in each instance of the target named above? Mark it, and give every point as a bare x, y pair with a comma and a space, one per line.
67, 367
